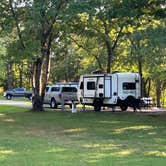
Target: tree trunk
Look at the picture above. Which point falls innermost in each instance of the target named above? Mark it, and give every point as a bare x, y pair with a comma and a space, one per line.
37, 100
142, 79
99, 63
109, 56
41, 74
21, 76
30, 74
158, 93
45, 69
9, 76
147, 87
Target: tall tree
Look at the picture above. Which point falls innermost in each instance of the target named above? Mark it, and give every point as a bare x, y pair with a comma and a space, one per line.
40, 17
44, 14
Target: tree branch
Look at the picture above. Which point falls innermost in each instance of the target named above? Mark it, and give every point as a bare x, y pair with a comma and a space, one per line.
17, 24
58, 8
95, 56
117, 39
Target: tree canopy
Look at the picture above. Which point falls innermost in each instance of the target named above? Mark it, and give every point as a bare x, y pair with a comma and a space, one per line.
46, 41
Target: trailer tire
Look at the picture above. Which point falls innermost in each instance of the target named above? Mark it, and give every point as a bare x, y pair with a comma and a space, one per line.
133, 102
123, 105
97, 104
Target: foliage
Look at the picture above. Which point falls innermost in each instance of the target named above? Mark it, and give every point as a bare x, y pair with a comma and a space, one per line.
85, 35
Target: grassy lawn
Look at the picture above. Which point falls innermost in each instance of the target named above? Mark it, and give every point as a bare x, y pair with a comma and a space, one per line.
55, 138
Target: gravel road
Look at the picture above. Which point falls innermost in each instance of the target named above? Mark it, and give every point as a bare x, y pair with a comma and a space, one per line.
24, 104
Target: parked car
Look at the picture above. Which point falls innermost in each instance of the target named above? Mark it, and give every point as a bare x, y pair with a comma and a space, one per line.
61, 91
17, 92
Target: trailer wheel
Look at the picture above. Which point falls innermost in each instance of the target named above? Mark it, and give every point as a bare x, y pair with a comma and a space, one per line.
132, 102
97, 105
123, 105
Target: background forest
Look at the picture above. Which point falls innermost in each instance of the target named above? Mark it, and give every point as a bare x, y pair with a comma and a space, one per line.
64, 39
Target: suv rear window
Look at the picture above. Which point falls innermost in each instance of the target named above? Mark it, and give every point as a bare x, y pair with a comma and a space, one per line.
69, 89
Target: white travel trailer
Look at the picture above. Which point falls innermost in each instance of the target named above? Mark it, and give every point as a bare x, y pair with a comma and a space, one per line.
117, 89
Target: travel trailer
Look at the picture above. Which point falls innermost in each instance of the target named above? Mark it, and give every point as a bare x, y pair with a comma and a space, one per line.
118, 89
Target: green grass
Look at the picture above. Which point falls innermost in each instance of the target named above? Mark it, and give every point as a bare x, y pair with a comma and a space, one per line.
55, 138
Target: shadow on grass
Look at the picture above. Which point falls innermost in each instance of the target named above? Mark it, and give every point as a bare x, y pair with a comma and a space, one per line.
85, 138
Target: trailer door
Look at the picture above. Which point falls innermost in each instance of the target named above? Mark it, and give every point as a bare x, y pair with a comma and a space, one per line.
107, 87
93, 87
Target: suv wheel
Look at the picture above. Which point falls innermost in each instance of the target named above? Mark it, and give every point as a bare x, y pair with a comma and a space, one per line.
8, 97
30, 97
53, 103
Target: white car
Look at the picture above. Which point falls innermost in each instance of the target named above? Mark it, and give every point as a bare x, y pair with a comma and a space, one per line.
61, 92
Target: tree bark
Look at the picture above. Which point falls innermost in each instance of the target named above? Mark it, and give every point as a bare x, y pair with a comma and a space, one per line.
158, 93
108, 47
21, 76
142, 79
109, 56
37, 100
147, 87
41, 73
111, 45
9, 76
17, 24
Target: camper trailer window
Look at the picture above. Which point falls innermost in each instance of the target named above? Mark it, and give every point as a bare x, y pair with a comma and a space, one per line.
129, 86
101, 86
91, 85
55, 89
